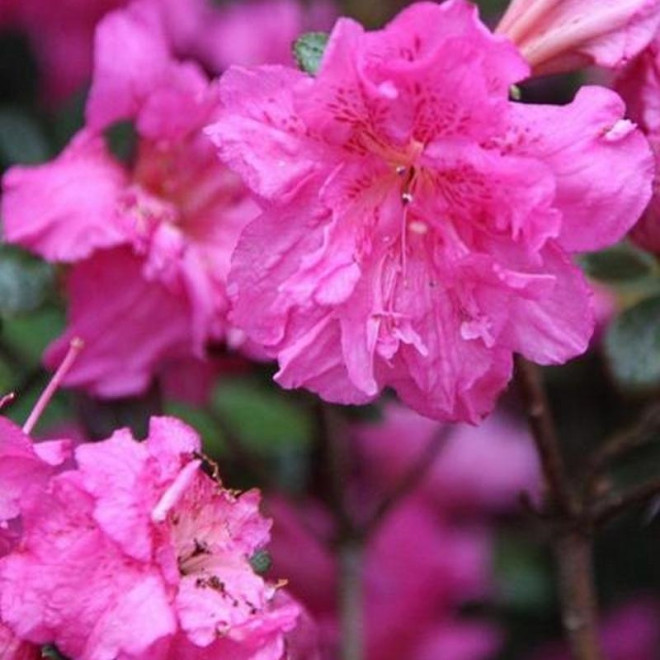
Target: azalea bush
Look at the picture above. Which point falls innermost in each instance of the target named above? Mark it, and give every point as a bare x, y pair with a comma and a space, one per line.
329, 331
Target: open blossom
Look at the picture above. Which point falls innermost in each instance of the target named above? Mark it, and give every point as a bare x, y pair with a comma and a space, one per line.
137, 553
561, 35
155, 235
418, 224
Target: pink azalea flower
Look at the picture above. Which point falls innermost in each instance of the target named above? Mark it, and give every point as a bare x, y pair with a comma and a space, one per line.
12, 648
156, 235
139, 554
25, 468
410, 614
561, 35
639, 85
418, 225
477, 470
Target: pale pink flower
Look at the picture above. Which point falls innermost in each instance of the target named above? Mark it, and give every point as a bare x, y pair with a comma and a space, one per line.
155, 235
418, 225
138, 554
562, 35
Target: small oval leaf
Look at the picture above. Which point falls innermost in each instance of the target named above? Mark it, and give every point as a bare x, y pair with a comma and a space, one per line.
308, 50
620, 263
25, 281
632, 346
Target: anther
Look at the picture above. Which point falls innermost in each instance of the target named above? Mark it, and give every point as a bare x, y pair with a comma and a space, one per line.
407, 198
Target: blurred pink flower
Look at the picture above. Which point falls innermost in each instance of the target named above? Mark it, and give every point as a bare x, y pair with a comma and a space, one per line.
423, 561
156, 235
410, 614
138, 553
254, 32
639, 85
478, 470
243, 32
562, 35
630, 632
415, 238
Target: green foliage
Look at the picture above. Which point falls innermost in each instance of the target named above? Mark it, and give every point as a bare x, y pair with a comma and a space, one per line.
21, 139
308, 50
25, 282
632, 346
521, 571
264, 418
621, 263
121, 139
260, 562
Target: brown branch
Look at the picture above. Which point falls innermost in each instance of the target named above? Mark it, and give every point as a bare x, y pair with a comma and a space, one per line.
545, 437
576, 590
572, 545
618, 504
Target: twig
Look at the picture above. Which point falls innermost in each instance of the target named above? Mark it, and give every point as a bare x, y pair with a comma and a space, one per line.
621, 443
618, 504
545, 437
407, 483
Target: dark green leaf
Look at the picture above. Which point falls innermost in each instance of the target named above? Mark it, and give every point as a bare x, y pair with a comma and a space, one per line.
50, 651
260, 561
521, 573
620, 263
266, 419
308, 50
632, 345
25, 281
121, 139
21, 139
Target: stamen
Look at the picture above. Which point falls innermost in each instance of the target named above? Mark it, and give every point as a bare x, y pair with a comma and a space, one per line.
75, 347
407, 198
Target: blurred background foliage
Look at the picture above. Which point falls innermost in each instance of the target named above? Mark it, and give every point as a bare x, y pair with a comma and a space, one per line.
265, 436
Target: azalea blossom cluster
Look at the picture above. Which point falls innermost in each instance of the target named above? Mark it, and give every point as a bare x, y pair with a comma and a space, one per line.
121, 549
390, 216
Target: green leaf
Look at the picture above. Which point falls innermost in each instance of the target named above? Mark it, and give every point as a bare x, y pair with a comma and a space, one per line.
266, 419
620, 263
21, 139
632, 346
50, 651
121, 139
260, 562
25, 281
524, 583
308, 50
